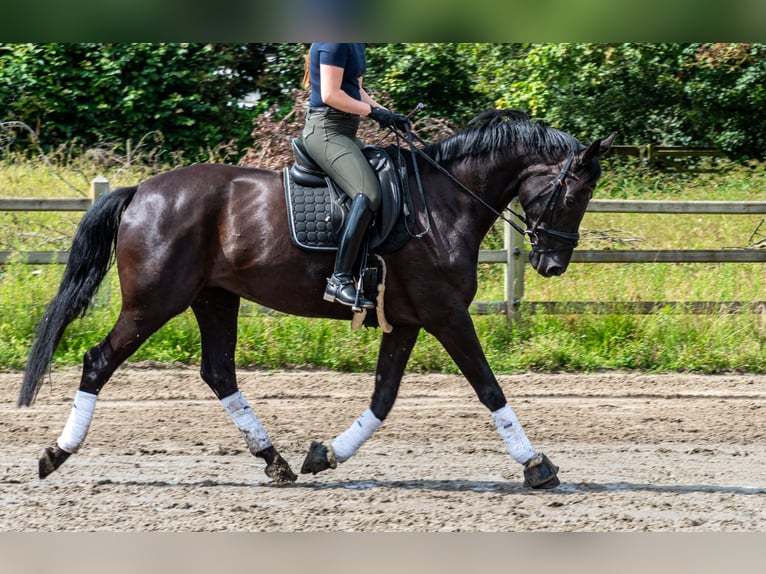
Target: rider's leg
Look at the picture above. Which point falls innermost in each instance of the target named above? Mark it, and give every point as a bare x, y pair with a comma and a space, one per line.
330, 139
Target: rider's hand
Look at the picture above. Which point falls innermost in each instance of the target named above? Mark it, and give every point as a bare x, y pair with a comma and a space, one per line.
388, 119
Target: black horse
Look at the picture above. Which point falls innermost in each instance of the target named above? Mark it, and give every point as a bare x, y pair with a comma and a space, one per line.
207, 235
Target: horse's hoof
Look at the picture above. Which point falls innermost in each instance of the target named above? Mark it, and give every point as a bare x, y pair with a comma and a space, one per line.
52, 458
280, 472
540, 473
318, 458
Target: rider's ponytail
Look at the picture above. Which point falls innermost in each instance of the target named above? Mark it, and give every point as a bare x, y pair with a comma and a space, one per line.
307, 71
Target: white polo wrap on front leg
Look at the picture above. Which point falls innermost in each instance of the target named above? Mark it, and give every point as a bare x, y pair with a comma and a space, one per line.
347, 443
516, 441
77, 424
237, 407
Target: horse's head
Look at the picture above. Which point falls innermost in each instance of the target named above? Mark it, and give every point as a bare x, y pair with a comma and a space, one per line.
554, 199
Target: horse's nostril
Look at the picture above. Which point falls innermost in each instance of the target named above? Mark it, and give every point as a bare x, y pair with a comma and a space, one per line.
555, 270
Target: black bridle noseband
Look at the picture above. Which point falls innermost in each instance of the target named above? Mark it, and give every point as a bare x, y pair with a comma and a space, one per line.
569, 240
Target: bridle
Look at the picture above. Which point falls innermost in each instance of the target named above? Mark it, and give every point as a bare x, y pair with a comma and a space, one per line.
569, 240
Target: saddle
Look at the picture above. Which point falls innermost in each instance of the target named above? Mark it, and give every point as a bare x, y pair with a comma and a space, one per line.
317, 208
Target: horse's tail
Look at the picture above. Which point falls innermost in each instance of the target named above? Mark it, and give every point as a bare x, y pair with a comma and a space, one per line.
90, 257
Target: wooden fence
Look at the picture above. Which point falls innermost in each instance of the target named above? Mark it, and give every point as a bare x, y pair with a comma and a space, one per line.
652, 153
99, 186
514, 255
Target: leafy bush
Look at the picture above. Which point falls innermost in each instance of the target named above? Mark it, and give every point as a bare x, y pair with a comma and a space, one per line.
435, 74
95, 93
725, 85
670, 94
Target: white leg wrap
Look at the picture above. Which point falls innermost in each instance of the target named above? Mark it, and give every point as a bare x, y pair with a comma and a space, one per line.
509, 427
237, 407
347, 443
77, 424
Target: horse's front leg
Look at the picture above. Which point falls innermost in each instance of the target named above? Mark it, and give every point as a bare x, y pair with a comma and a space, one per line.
395, 349
458, 335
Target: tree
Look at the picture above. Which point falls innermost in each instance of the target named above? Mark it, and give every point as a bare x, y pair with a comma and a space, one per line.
725, 85
435, 74
671, 94
92, 93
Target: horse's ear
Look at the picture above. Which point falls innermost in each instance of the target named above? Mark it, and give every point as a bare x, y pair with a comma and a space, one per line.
597, 149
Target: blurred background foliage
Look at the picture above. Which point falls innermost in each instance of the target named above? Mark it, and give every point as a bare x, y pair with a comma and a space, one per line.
202, 97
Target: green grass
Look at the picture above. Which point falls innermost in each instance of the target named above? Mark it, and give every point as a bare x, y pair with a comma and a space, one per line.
662, 281
666, 341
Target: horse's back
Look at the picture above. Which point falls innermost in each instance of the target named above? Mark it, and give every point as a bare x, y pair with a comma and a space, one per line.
204, 189
207, 178
221, 226
199, 208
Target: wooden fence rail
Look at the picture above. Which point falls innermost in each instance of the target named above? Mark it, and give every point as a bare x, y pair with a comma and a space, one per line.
99, 186
514, 255
652, 152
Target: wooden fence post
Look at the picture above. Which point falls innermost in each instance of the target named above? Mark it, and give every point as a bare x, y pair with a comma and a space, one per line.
650, 155
515, 252
98, 187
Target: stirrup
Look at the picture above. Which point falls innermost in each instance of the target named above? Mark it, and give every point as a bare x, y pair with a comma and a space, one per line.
341, 289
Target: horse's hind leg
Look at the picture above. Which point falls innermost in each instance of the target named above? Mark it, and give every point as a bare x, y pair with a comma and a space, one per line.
216, 311
99, 363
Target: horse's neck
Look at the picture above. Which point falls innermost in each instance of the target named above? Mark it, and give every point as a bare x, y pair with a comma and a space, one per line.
485, 192
494, 183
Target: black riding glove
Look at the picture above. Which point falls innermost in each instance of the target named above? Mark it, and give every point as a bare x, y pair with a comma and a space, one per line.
388, 119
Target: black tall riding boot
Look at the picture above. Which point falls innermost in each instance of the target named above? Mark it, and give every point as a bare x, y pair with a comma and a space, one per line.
340, 287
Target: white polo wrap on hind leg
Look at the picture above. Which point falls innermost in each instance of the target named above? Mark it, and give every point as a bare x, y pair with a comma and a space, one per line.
349, 441
237, 407
77, 424
516, 441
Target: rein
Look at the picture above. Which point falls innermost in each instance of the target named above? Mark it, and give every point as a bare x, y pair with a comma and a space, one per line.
571, 239
413, 149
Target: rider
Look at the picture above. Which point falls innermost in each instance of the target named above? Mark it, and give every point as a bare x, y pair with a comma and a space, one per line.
338, 100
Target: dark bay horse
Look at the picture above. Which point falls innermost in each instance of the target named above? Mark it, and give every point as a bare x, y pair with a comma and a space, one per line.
208, 235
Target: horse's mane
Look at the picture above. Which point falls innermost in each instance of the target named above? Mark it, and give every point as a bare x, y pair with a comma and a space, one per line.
500, 130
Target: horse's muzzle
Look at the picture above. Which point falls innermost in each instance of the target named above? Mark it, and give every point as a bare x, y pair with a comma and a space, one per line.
553, 271
551, 264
